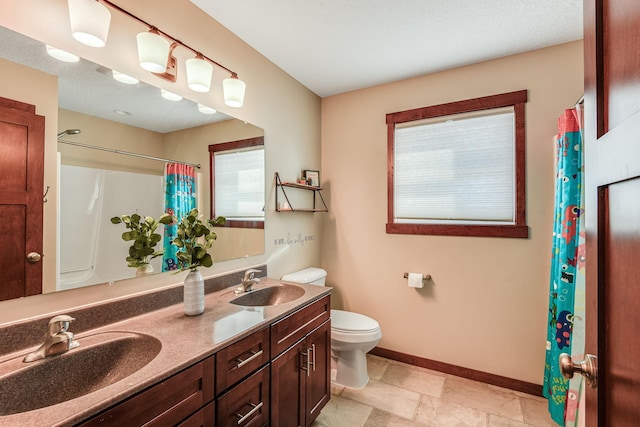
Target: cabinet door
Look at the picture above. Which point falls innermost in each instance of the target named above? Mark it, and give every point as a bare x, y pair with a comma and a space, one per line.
246, 404
287, 387
318, 378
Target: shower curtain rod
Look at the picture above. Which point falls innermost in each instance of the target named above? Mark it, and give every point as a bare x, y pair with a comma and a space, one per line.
112, 150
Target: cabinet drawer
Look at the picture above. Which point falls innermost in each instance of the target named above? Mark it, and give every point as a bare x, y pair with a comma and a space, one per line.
205, 417
246, 404
166, 403
238, 360
294, 327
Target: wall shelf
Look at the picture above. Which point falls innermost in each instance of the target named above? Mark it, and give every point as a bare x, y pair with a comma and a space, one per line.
316, 191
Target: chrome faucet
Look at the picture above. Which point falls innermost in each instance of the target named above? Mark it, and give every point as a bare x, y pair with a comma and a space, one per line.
57, 340
248, 281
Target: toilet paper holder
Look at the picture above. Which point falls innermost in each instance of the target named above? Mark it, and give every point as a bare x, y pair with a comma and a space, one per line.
424, 276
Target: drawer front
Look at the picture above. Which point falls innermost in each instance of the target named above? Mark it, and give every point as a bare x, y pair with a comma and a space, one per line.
294, 327
205, 417
246, 404
238, 360
166, 403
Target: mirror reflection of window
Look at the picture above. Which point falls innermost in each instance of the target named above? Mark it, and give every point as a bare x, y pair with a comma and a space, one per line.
237, 182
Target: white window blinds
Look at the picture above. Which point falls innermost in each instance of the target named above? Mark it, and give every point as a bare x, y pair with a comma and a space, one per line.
239, 184
456, 170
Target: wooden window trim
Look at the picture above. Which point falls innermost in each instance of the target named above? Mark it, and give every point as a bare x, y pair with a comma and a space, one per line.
228, 146
512, 99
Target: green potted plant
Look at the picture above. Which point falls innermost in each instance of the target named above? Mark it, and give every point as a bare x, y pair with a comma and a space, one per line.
142, 232
194, 238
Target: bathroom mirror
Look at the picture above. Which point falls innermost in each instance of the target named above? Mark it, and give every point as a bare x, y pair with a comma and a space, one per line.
121, 119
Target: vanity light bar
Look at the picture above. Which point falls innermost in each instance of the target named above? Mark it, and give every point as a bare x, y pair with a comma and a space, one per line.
155, 49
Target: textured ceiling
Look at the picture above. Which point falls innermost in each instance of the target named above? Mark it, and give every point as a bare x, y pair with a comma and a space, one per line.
335, 46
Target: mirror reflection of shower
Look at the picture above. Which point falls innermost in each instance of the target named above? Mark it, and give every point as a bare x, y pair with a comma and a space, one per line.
69, 132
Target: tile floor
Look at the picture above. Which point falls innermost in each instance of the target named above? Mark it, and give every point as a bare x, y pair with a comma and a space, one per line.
404, 395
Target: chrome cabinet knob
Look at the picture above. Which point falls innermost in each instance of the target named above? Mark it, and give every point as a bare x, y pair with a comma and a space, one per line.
587, 368
34, 257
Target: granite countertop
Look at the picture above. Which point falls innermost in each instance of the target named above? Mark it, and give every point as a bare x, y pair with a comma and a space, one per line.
185, 341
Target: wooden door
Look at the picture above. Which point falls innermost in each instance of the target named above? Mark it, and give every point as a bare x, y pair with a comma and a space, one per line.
318, 387
21, 198
612, 147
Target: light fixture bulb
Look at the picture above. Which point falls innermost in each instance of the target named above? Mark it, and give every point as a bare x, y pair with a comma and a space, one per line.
62, 55
233, 89
90, 22
170, 95
153, 51
199, 74
206, 110
124, 78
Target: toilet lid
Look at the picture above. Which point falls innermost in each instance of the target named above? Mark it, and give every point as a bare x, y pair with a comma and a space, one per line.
349, 322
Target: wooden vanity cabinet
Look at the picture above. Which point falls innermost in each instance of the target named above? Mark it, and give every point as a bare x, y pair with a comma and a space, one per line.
242, 381
247, 403
205, 417
277, 376
241, 358
301, 374
165, 404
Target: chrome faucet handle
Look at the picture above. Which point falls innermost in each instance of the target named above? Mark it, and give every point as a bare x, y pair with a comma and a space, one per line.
57, 340
59, 324
248, 281
248, 275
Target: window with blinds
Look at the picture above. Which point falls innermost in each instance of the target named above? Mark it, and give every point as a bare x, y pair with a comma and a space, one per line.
457, 169
237, 182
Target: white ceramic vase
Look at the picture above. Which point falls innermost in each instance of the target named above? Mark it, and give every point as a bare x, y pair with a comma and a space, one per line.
193, 294
144, 270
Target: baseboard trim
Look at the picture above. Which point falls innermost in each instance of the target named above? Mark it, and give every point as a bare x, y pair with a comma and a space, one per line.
459, 371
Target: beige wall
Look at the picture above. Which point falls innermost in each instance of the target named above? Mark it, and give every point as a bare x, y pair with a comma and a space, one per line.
486, 308
113, 135
287, 111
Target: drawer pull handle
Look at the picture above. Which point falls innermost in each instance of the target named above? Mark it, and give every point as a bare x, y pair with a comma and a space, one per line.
254, 355
313, 351
255, 409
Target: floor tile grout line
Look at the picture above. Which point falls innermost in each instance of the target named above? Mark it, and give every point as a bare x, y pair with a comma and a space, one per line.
382, 369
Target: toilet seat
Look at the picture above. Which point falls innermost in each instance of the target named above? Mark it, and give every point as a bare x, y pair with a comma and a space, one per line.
350, 327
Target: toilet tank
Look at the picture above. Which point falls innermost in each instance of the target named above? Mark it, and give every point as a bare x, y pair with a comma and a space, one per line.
311, 276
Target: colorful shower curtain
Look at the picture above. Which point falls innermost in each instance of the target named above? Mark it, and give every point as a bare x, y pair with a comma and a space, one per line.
566, 327
180, 199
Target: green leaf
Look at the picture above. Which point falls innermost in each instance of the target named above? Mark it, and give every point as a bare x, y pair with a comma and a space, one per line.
116, 220
140, 243
207, 261
167, 219
146, 251
154, 239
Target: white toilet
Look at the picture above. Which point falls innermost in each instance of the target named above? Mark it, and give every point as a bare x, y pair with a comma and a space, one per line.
353, 335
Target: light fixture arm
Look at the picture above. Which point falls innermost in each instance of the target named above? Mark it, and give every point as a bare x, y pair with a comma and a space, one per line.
174, 41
